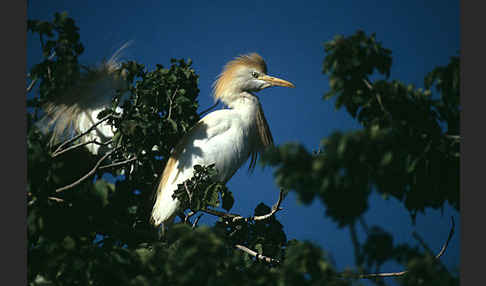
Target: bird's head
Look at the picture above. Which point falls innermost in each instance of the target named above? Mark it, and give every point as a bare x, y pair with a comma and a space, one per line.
244, 73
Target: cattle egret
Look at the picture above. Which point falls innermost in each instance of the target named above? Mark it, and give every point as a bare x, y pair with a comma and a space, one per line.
226, 138
77, 109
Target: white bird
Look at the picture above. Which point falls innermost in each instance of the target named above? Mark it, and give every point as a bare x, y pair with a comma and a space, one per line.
226, 138
77, 109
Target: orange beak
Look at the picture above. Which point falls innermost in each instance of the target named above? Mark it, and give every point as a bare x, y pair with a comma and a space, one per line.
273, 81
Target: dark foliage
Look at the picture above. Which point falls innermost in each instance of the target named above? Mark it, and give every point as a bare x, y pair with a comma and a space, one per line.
403, 149
98, 232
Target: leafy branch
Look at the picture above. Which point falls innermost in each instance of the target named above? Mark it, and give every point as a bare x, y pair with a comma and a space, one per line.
236, 217
401, 273
256, 254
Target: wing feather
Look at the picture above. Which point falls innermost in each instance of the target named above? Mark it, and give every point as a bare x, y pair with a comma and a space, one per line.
263, 140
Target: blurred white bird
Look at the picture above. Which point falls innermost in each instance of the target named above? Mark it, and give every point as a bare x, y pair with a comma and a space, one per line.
77, 109
226, 138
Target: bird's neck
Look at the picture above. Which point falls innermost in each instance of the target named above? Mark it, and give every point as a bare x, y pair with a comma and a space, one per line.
254, 124
247, 104
244, 99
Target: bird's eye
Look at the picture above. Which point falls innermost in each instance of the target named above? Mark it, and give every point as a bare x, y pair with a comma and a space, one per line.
255, 74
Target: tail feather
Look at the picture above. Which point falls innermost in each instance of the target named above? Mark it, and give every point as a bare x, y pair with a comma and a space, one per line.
164, 208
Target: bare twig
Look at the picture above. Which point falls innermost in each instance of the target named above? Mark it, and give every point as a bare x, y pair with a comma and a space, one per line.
77, 182
455, 137
31, 85
33, 82
82, 134
49, 68
208, 109
220, 214
383, 275
49, 74
56, 154
363, 224
275, 208
194, 224
41, 38
236, 217
118, 163
188, 216
368, 84
451, 233
356, 245
59, 200
170, 102
396, 274
188, 193
421, 242
256, 254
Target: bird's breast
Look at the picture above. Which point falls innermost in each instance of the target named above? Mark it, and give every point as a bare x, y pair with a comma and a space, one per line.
228, 151
225, 142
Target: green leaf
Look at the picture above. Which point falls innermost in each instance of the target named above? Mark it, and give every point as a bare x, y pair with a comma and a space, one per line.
69, 243
387, 158
213, 199
228, 200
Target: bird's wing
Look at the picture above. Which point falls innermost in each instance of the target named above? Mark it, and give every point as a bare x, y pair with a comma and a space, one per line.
181, 161
208, 127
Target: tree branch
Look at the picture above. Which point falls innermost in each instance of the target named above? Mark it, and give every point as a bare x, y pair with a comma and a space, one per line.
81, 134
77, 182
256, 254
446, 244
236, 217
56, 199
194, 224
422, 242
275, 208
118, 163
170, 102
456, 138
356, 245
188, 216
189, 195
56, 154
31, 85
396, 274
363, 224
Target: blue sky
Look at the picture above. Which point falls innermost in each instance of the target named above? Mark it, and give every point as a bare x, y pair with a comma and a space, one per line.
290, 37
